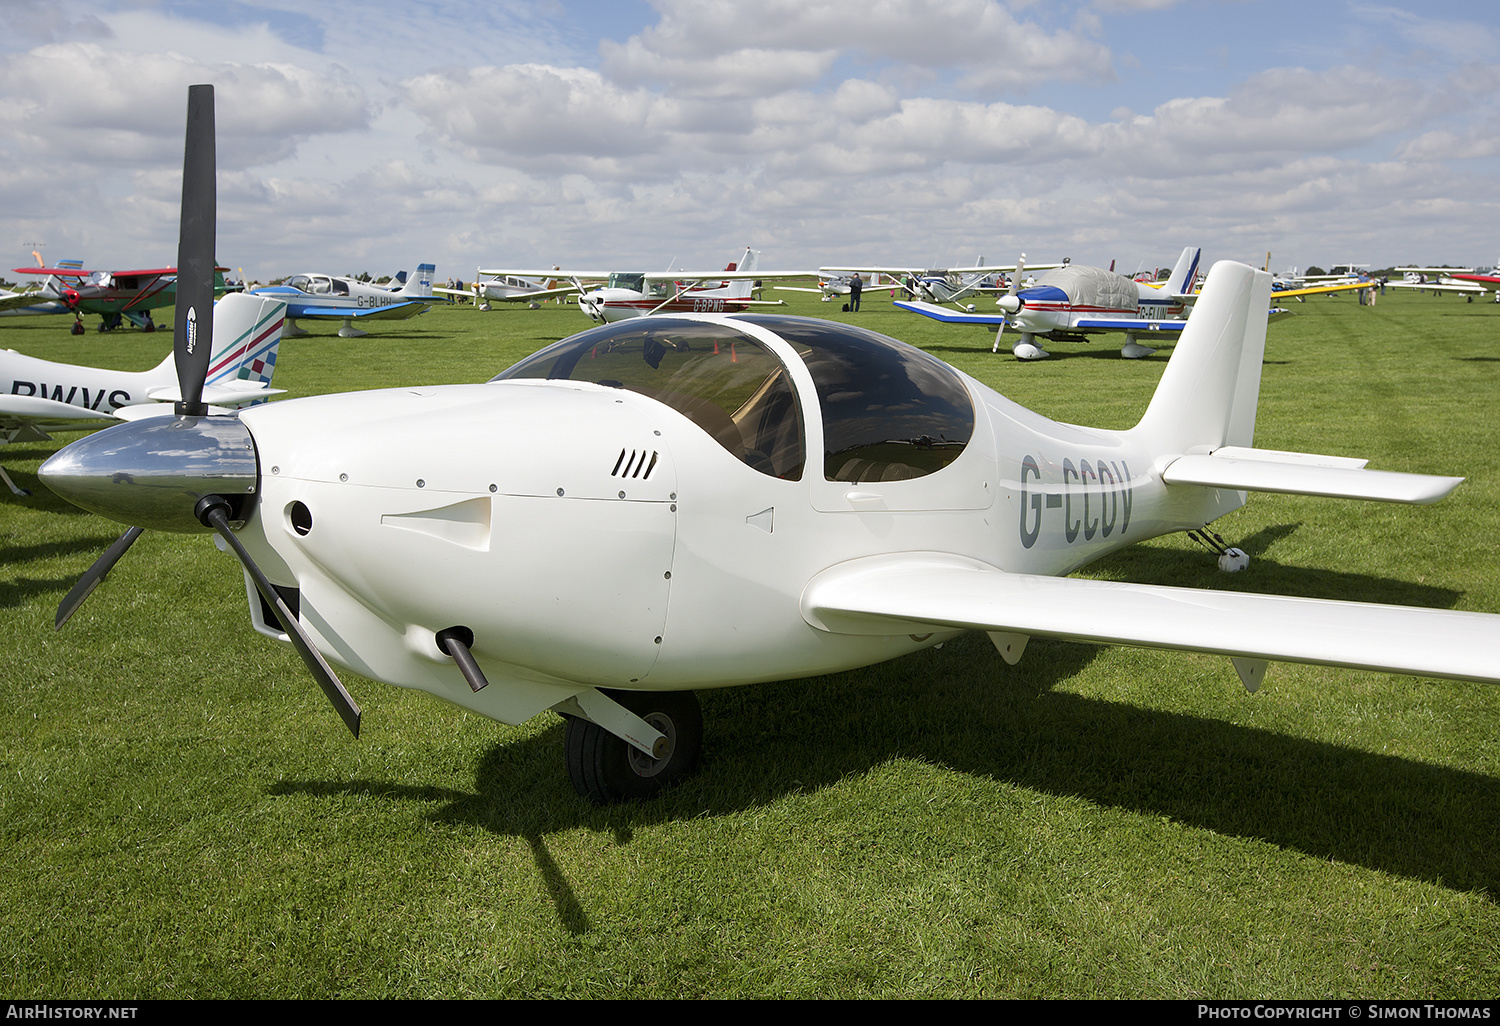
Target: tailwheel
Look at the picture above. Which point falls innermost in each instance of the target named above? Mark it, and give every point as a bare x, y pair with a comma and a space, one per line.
606, 769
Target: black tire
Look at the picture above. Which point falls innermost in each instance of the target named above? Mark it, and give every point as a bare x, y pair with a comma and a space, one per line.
606, 769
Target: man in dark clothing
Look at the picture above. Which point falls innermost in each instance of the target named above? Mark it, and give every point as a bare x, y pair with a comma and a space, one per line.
856, 286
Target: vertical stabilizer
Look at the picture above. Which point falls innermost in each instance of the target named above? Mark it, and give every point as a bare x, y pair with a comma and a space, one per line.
247, 335
1184, 274
1208, 393
420, 285
743, 289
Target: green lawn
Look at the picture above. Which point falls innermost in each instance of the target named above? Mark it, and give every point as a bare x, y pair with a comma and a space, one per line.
183, 816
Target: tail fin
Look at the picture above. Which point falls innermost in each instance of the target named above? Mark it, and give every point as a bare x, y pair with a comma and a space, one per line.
742, 289
420, 286
1208, 393
247, 334
1181, 281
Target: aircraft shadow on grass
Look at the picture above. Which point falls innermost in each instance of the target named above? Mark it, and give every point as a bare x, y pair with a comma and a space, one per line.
960, 708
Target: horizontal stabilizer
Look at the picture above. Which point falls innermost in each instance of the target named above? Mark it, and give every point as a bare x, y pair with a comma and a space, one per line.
31, 407
1255, 470
911, 593
222, 395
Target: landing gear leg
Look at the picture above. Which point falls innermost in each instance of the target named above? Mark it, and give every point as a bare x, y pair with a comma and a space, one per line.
605, 768
11, 484
1231, 560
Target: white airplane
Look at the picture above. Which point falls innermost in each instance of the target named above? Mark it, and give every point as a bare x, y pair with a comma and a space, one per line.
1074, 302
627, 294
324, 296
832, 286
934, 285
30, 304
512, 288
41, 398
702, 501
1439, 279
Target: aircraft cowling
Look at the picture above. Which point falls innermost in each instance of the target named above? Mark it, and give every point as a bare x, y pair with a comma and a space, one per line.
500, 521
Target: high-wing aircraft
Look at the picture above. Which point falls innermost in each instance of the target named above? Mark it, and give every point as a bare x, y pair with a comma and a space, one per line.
506, 287
325, 296
708, 500
39, 398
1448, 279
115, 295
627, 294
833, 286
1074, 302
945, 284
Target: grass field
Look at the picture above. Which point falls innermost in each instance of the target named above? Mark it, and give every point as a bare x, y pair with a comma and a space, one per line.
183, 816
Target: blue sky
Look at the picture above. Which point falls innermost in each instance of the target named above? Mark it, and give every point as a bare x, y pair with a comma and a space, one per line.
371, 135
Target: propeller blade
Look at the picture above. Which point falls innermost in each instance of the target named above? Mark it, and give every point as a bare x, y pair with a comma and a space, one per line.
192, 338
93, 576
213, 510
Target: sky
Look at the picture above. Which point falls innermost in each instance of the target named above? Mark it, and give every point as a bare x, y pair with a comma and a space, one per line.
371, 136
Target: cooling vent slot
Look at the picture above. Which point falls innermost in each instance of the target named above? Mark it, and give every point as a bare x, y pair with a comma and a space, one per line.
635, 463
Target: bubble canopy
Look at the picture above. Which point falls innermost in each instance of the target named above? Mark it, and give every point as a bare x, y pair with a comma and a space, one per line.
889, 411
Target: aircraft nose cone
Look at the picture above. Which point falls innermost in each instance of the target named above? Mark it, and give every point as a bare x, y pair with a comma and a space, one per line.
1010, 304
151, 473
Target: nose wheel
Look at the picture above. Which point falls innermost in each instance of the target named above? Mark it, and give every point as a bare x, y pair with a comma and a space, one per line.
607, 769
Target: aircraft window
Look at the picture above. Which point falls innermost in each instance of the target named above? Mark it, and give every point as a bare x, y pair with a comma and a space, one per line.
319, 286
726, 382
890, 411
341, 287
622, 280
300, 282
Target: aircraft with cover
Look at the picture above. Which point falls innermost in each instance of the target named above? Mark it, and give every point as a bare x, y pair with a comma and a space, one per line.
707, 500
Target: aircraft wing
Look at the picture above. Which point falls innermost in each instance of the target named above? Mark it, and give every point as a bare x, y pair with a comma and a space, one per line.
550, 272
394, 311
1432, 287
948, 315
902, 271
918, 592
1315, 290
725, 275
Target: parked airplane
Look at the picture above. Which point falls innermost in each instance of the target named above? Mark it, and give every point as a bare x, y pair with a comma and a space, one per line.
627, 294
945, 284
514, 288
710, 500
1073, 302
29, 304
837, 286
115, 295
324, 296
39, 398
1464, 280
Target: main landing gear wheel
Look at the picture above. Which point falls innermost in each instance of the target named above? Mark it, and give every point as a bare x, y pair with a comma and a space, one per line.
606, 769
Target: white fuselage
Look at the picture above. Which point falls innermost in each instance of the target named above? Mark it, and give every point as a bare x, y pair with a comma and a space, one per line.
592, 536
